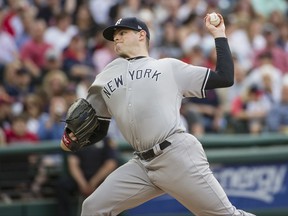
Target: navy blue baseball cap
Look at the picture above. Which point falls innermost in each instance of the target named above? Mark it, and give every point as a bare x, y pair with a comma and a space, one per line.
130, 23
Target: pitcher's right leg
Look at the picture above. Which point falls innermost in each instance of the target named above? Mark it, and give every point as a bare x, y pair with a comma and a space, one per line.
125, 188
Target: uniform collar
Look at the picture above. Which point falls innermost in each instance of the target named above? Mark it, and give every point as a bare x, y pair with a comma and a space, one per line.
135, 58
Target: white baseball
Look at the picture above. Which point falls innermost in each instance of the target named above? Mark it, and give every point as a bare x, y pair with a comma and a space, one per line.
214, 19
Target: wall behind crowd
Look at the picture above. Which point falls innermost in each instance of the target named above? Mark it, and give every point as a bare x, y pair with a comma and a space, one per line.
51, 51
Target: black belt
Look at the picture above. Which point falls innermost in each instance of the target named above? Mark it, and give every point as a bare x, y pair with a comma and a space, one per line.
151, 153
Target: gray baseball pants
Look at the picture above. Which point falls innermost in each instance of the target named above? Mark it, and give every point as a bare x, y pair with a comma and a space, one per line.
182, 171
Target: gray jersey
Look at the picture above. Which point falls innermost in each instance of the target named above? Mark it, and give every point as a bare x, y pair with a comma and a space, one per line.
121, 91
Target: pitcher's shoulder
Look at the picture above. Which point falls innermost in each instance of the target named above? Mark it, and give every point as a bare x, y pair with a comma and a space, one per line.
114, 66
115, 62
170, 61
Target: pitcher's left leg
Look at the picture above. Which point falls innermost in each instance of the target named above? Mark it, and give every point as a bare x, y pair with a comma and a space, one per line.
194, 186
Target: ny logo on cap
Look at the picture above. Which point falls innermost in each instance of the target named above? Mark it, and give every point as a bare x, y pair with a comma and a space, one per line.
118, 22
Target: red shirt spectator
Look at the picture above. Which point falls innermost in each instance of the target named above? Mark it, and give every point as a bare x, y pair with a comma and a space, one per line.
12, 23
12, 137
34, 49
35, 52
18, 132
279, 56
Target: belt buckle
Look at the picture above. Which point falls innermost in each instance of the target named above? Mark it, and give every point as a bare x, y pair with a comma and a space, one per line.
157, 150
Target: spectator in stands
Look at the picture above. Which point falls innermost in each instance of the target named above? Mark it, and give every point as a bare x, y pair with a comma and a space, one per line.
250, 35
103, 55
18, 133
33, 107
265, 7
33, 52
17, 83
194, 123
51, 125
277, 18
211, 59
169, 45
283, 37
255, 36
277, 118
210, 112
191, 6
5, 114
267, 76
85, 22
192, 34
6, 102
195, 56
86, 171
279, 56
249, 110
63, 30
52, 62
70, 94
244, 12
55, 83
228, 95
77, 62
2, 137
9, 50
100, 10
130, 8
11, 21
27, 19
47, 10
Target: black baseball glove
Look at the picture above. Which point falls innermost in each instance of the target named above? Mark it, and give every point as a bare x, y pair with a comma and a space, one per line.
81, 122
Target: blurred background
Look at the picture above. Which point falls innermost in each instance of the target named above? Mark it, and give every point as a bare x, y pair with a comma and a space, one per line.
50, 53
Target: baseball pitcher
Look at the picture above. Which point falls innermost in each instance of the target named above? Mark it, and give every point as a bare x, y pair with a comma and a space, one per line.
144, 96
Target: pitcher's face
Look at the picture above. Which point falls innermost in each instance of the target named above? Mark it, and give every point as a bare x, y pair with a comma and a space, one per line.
126, 42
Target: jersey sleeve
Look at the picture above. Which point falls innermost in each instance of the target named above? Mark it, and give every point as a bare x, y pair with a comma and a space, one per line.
95, 98
191, 80
95, 92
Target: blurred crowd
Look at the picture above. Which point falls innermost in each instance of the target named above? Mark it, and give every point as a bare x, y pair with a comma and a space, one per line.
51, 51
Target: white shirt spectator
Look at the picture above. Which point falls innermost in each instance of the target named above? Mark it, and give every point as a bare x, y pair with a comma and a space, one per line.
240, 45
8, 50
100, 10
257, 76
60, 39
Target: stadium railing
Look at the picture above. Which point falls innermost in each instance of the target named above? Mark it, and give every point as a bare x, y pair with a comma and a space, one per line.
220, 149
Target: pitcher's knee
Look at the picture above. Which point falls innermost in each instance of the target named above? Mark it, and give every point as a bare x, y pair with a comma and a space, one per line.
91, 207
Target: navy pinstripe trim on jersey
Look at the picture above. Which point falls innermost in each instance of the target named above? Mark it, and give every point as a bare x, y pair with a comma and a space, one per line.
203, 92
104, 118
